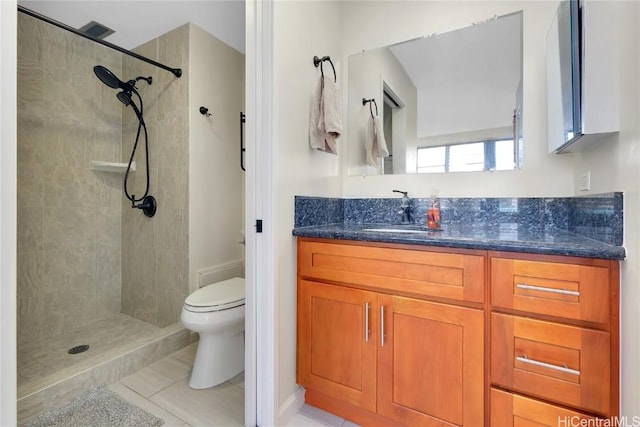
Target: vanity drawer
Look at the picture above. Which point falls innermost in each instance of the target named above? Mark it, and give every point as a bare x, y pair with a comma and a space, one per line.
572, 291
513, 410
458, 276
561, 363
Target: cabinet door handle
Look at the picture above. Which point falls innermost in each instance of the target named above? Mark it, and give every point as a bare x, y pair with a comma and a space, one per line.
545, 289
382, 326
366, 321
525, 359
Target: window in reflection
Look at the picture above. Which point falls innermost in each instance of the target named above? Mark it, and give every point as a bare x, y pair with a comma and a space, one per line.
475, 156
504, 155
432, 159
466, 157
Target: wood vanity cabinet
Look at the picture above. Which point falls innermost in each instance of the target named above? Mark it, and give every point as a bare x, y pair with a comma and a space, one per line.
554, 338
392, 334
375, 343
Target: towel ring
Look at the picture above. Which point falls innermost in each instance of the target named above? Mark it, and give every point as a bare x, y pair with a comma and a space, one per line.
318, 61
370, 101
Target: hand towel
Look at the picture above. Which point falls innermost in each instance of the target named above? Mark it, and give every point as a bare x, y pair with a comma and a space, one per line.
325, 123
375, 145
316, 131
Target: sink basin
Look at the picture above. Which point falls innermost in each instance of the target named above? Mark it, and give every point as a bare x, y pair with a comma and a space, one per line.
393, 230
400, 229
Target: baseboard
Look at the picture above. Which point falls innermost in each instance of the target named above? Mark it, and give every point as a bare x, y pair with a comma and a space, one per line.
291, 406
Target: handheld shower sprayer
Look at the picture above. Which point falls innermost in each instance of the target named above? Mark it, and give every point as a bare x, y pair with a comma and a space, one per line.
148, 203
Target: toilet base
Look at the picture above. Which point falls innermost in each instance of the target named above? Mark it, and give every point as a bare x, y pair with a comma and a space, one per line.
219, 357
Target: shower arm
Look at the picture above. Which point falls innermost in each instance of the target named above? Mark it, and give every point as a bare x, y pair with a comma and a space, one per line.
176, 71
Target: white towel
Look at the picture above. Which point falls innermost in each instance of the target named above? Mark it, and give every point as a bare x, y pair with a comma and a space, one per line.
375, 145
325, 123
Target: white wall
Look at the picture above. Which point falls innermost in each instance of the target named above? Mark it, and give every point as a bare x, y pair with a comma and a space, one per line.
301, 30
8, 185
542, 174
615, 166
216, 182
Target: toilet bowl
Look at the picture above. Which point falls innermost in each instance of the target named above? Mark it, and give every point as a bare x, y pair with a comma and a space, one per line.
216, 313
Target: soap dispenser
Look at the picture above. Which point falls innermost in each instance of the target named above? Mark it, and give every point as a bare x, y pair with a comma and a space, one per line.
433, 214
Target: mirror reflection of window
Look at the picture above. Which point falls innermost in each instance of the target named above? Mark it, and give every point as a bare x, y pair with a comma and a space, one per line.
505, 155
432, 159
476, 156
466, 157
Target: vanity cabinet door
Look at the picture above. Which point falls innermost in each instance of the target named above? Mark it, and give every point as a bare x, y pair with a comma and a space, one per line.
430, 363
337, 342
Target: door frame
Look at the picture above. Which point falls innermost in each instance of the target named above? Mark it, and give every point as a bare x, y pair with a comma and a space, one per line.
8, 206
261, 369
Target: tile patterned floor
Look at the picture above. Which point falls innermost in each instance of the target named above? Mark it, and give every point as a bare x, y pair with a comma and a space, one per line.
162, 389
41, 358
310, 416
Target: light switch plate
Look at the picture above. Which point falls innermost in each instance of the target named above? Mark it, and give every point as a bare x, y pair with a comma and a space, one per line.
584, 182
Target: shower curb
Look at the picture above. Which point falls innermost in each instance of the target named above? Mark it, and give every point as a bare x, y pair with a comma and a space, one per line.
40, 395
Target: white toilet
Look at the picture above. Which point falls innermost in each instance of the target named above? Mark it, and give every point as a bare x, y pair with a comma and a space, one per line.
216, 312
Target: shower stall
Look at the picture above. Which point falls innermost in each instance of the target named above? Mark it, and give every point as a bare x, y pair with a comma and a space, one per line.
100, 285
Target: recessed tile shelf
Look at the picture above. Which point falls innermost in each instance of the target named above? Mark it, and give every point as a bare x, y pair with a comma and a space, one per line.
112, 167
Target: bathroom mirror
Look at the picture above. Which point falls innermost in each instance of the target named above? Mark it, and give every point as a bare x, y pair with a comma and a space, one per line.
446, 102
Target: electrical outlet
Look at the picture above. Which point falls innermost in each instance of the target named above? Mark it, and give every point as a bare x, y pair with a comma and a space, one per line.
584, 182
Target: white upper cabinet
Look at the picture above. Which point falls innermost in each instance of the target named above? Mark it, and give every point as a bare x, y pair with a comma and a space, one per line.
582, 52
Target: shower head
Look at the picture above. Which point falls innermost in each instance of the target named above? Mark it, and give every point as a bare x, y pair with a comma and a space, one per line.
108, 78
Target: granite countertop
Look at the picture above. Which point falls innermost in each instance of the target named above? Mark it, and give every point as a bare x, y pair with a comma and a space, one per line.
499, 237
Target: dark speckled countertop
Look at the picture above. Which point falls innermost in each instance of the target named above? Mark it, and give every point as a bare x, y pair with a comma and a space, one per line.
515, 236
495, 238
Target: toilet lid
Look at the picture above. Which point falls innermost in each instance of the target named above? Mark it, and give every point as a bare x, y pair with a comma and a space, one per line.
228, 293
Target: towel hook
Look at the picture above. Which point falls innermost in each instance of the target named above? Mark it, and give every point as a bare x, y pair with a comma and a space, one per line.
370, 101
318, 61
205, 111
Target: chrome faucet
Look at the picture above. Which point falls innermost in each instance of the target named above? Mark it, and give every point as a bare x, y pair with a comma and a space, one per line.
405, 207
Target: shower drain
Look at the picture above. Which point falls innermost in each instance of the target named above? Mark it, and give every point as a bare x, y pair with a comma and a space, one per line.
78, 349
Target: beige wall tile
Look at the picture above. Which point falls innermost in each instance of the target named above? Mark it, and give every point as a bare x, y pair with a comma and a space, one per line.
30, 231
92, 246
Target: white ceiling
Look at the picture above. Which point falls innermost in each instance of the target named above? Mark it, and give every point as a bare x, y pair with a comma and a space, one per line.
487, 55
136, 22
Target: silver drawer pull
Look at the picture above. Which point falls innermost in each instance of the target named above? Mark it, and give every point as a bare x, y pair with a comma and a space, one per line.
366, 322
382, 326
525, 359
545, 289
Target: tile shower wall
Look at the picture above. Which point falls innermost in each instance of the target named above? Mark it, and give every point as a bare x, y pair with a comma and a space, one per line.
69, 217
155, 250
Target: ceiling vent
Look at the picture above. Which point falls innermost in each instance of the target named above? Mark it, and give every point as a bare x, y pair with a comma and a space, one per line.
97, 30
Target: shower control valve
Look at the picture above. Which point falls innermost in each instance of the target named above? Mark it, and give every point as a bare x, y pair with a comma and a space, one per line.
149, 206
